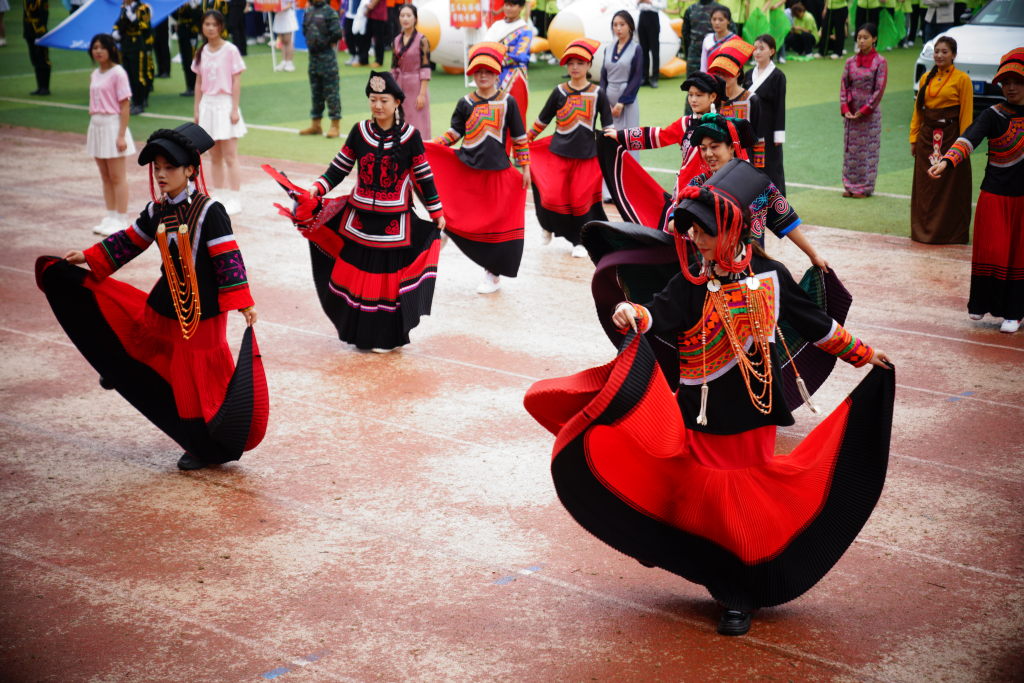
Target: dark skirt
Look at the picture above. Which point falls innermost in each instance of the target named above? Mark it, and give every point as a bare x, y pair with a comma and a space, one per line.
190, 388
637, 196
997, 264
773, 165
566, 192
373, 296
484, 211
758, 535
940, 209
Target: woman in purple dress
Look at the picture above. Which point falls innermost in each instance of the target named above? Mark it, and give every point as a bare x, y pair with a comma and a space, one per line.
861, 94
410, 67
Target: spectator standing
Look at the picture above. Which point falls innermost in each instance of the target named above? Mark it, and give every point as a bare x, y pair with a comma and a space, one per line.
940, 210
189, 16
109, 141
721, 19
768, 83
696, 25
868, 12
649, 32
860, 97
914, 12
620, 78
833, 28
162, 49
410, 67
219, 67
134, 33
352, 39
322, 30
804, 34
285, 24
236, 25
376, 31
35, 15
997, 264
939, 17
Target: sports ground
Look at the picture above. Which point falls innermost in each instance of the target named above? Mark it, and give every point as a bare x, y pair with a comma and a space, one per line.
398, 523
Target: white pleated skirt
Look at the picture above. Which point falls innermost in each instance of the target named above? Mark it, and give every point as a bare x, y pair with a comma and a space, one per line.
215, 118
101, 140
285, 22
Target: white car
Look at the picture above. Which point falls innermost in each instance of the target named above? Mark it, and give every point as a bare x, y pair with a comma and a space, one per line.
994, 30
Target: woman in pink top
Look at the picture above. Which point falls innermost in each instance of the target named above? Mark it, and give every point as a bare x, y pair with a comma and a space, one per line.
109, 141
410, 67
218, 67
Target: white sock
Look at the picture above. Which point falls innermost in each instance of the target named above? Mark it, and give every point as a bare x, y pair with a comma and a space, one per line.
111, 214
122, 218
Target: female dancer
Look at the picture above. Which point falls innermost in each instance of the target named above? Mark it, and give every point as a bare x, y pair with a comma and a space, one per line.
374, 259
769, 84
410, 66
620, 77
512, 31
485, 196
721, 18
167, 353
727, 61
940, 211
566, 174
218, 67
691, 483
997, 265
860, 92
109, 141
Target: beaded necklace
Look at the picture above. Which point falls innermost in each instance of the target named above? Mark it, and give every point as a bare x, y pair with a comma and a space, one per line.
942, 84
184, 289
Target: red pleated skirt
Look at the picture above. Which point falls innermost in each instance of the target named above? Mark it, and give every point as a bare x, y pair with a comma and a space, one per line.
997, 262
567, 192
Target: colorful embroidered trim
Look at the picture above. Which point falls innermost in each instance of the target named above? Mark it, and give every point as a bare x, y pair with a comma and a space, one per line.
448, 139
642, 315
521, 150
960, 150
845, 346
759, 154
579, 109
536, 129
1008, 148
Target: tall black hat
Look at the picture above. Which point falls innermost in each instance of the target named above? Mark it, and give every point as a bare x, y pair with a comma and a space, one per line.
716, 126
383, 83
164, 143
737, 181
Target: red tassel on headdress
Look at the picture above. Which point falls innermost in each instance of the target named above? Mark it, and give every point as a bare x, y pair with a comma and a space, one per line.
682, 240
202, 178
730, 224
152, 187
737, 147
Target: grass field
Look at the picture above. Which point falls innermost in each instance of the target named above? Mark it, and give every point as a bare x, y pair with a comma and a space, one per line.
814, 130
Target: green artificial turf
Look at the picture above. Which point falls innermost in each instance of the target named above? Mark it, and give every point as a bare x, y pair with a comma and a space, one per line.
814, 128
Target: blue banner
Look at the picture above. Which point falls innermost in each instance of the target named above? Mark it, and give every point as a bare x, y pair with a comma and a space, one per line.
98, 16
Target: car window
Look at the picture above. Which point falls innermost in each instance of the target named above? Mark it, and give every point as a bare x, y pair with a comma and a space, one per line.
1000, 13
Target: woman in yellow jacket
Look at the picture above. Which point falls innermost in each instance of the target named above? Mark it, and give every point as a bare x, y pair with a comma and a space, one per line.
940, 210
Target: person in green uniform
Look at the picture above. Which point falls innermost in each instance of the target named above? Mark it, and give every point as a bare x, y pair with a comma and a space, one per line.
696, 25
133, 32
833, 28
802, 38
34, 17
321, 28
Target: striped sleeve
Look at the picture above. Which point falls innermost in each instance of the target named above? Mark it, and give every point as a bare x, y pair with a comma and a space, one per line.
843, 345
341, 166
960, 150
229, 268
448, 139
424, 176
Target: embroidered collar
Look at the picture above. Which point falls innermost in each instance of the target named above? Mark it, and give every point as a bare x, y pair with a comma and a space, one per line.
183, 195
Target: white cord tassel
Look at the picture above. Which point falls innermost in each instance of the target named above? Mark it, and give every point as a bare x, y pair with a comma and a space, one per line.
702, 419
806, 396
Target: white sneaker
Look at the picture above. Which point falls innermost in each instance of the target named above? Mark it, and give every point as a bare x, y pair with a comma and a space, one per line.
1009, 326
232, 206
280, 66
545, 236
533, 59
580, 251
844, 51
382, 350
553, 61
3, 42
112, 228
834, 55
490, 285
288, 66
782, 60
98, 229
975, 316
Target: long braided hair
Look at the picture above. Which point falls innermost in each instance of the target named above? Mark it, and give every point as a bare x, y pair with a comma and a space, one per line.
935, 69
195, 159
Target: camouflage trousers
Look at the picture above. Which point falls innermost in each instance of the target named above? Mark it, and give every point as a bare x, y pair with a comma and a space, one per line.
323, 84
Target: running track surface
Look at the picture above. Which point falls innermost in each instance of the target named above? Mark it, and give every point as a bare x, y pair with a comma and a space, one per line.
398, 523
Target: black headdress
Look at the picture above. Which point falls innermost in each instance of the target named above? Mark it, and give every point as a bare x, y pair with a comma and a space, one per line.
706, 83
738, 181
383, 83
181, 146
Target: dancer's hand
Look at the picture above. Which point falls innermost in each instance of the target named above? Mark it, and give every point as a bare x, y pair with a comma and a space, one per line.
250, 316
527, 178
611, 133
880, 359
820, 262
74, 258
936, 170
314, 191
624, 316
440, 222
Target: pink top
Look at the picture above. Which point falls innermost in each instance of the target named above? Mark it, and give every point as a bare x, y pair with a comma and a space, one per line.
108, 89
217, 68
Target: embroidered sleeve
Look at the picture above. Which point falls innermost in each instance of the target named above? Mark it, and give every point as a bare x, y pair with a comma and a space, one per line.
342, 164
641, 314
424, 177
843, 345
758, 159
985, 126
780, 217
881, 77
844, 94
458, 126
551, 107
518, 53
960, 150
107, 256
228, 267
651, 138
517, 133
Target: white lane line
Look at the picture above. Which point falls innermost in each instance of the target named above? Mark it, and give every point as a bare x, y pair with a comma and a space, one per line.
19, 270
136, 599
36, 336
960, 397
934, 336
52, 73
940, 560
901, 252
64, 196
147, 115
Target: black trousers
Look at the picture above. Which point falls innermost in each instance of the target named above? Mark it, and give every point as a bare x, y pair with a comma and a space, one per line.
40, 58
834, 22
866, 16
648, 32
351, 39
375, 29
135, 62
916, 21
394, 28
801, 43
162, 48
185, 50
236, 25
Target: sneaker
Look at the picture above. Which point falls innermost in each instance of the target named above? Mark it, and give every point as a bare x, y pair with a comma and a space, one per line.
232, 206
261, 40
98, 229
545, 236
580, 251
3, 42
113, 227
975, 316
288, 66
782, 60
382, 350
817, 55
734, 623
833, 56
1009, 326
533, 59
491, 284
250, 41
553, 61
844, 51
279, 66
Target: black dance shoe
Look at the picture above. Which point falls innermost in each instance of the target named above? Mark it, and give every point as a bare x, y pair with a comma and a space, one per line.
734, 623
40, 91
189, 93
654, 83
136, 109
187, 462
106, 384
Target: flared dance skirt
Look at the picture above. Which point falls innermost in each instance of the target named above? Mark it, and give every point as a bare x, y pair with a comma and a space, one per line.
757, 531
637, 196
484, 211
997, 263
190, 388
566, 192
374, 297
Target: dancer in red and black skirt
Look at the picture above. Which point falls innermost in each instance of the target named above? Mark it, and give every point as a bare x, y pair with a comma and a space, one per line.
691, 482
167, 353
485, 196
374, 260
997, 265
566, 174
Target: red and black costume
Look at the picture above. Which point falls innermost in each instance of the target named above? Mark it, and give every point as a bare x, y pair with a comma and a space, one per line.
167, 353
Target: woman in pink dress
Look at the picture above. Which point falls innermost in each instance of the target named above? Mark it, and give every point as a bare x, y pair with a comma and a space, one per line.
410, 67
861, 92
